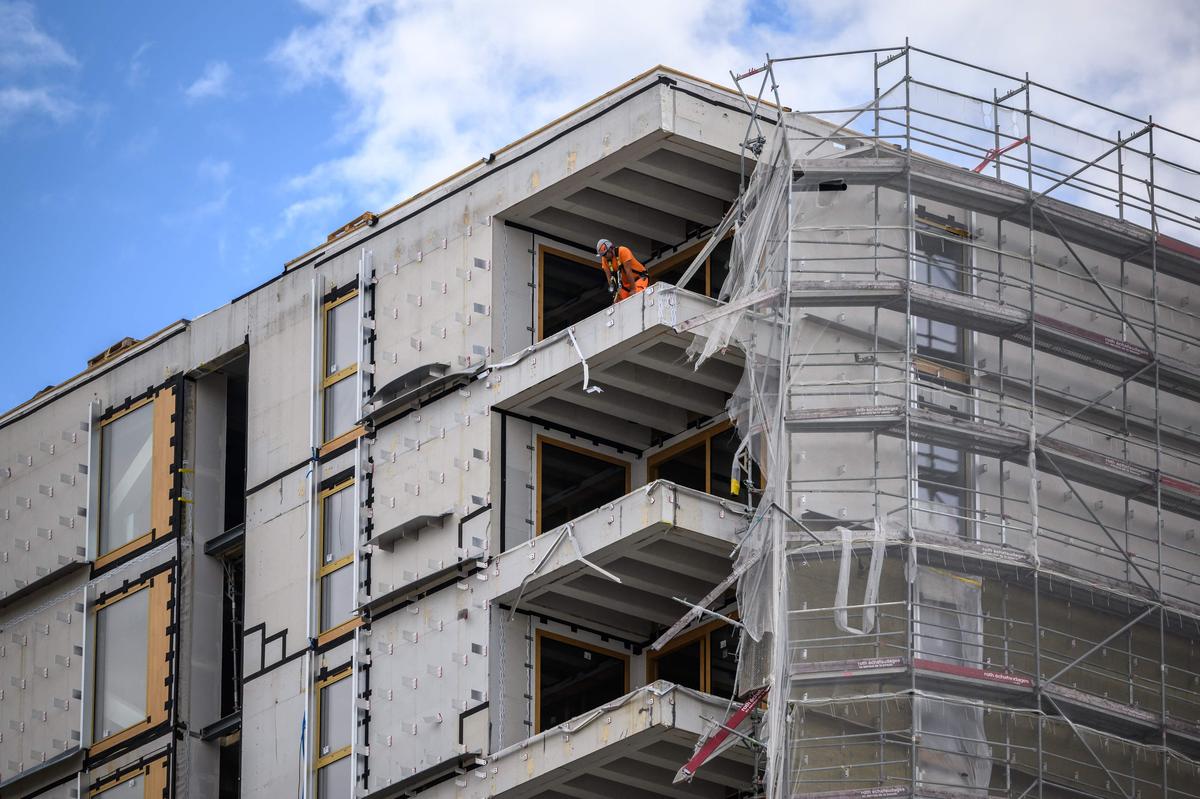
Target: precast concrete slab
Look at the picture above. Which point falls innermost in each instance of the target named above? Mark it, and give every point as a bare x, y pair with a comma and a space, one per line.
630, 747
622, 373
623, 567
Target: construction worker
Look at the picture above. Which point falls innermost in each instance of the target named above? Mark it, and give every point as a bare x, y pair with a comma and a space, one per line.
626, 275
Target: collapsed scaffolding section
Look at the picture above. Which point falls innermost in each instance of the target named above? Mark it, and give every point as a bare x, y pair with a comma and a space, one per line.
971, 385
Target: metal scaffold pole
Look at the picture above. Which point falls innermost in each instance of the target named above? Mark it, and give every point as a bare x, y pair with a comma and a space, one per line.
956, 321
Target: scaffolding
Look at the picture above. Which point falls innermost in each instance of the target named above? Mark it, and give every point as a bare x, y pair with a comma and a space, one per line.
970, 385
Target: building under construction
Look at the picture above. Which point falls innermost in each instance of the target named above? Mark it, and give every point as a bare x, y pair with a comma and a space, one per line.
888, 484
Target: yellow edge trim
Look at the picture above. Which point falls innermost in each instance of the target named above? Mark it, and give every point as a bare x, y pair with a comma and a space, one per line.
335, 303
126, 411
116, 738
130, 591
129, 546
337, 676
342, 486
339, 375
333, 757
333, 633
345, 438
332, 566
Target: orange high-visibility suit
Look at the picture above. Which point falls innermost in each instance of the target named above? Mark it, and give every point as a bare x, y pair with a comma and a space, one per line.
631, 275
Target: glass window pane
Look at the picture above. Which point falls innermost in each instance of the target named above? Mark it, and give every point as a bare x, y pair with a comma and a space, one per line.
341, 409
122, 650
334, 780
937, 338
126, 448
571, 291
573, 680
688, 468
574, 483
341, 346
722, 660
337, 597
681, 666
337, 721
338, 531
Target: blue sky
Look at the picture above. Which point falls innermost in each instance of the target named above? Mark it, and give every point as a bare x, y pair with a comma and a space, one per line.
159, 159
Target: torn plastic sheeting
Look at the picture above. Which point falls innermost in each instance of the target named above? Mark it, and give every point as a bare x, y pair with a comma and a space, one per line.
871, 592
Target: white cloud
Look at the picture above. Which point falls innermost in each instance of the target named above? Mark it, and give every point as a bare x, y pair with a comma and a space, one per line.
24, 45
135, 72
27, 56
430, 88
214, 170
306, 210
17, 102
213, 82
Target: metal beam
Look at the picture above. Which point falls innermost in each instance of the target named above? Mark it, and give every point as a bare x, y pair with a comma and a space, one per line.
1100, 644
1112, 777
1128, 558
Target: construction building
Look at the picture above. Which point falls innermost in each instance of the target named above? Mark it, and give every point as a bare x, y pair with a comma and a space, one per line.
888, 484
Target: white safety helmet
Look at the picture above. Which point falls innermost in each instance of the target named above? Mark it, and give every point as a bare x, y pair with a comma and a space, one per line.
603, 246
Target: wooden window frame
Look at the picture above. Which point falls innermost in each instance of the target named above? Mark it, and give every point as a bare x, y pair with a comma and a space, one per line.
321, 761
154, 787
541, 635
162, 479
327, 634
554, 442
702, 632
158, 661
328, 381
541, 279
656, 269
704, 437
689, 254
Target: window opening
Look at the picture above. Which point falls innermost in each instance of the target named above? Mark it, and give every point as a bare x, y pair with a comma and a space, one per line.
573, 481
335, 730
126, 462
339, 393
573, 678
336, 571
570, 288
